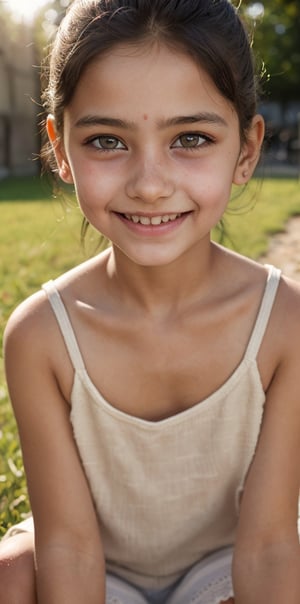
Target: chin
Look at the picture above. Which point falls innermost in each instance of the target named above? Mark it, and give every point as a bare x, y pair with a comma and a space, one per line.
150, 259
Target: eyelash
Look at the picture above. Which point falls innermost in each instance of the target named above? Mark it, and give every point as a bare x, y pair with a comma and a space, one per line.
206, 141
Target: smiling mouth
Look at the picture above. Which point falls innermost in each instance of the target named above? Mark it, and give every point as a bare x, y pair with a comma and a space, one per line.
152, 220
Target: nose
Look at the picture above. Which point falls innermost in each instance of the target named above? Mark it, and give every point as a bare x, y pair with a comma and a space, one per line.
150, 180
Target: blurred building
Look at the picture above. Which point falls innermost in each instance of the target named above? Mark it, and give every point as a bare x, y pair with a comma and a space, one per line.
19, 141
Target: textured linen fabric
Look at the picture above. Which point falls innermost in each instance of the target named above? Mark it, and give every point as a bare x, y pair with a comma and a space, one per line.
167, 493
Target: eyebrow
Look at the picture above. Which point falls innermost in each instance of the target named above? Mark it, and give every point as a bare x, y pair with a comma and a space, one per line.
203, 117
97, 120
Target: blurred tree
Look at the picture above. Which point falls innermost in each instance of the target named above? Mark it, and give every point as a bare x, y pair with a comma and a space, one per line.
46, 23
277, 43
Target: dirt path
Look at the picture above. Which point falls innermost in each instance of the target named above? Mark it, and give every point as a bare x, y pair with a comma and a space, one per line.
284, 250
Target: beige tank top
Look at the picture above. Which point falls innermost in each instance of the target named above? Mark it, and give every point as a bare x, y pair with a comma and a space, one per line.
167, 493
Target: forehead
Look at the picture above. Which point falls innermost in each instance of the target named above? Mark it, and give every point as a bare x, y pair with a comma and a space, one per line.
149, 78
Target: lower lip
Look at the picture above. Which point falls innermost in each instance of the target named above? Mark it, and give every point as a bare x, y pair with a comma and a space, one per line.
151, 230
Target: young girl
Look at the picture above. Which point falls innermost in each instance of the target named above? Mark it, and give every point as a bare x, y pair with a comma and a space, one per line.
156, 386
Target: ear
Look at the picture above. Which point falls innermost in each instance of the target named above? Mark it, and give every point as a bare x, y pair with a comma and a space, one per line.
250, 151
59, 151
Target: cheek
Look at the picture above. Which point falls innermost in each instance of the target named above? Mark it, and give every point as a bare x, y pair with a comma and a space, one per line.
209, 192
95, 188
211, 177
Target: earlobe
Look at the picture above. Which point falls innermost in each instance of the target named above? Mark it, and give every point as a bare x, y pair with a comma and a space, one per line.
59, 152
250, 152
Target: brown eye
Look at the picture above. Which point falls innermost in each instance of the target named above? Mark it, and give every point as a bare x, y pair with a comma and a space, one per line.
107, 143
190, 140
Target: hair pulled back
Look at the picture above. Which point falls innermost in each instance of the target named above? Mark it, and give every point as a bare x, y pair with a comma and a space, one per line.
211, 31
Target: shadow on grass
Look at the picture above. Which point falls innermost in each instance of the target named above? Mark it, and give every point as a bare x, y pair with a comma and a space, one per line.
27, 188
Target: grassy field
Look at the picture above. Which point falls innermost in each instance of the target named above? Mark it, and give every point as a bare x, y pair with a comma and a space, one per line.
40, 238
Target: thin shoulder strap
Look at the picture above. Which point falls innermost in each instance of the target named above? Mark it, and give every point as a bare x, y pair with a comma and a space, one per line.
64, 323
264, 311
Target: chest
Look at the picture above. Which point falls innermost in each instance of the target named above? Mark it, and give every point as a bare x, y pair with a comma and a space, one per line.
156, 369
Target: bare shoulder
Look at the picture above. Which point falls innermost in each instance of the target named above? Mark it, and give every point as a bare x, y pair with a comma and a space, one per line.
34, 320
29, 322
286, 315
252, 276
33, 348
290, 292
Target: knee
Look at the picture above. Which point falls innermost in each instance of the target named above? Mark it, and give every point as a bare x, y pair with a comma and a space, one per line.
17, 577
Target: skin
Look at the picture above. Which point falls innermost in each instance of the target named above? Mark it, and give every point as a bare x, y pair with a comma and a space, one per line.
128, 310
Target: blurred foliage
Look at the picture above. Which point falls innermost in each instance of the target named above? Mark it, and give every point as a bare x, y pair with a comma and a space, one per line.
46, 23
276, 41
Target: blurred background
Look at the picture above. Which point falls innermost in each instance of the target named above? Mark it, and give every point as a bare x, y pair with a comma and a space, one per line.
26, 30
40, 237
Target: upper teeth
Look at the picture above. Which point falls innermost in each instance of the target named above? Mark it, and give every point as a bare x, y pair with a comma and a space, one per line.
155, 220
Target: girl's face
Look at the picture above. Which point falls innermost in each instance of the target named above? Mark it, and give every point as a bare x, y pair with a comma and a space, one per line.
152, 149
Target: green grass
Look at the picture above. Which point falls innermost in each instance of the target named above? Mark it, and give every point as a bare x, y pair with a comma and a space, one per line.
39, 239
262, 210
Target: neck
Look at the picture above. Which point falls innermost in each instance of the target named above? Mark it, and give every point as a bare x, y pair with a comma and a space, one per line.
161, 290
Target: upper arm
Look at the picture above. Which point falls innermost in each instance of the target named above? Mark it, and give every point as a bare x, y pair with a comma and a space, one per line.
60, 498
269, 508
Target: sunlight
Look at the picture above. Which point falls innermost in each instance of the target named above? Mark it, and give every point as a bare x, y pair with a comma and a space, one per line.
255, 10
23, 10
